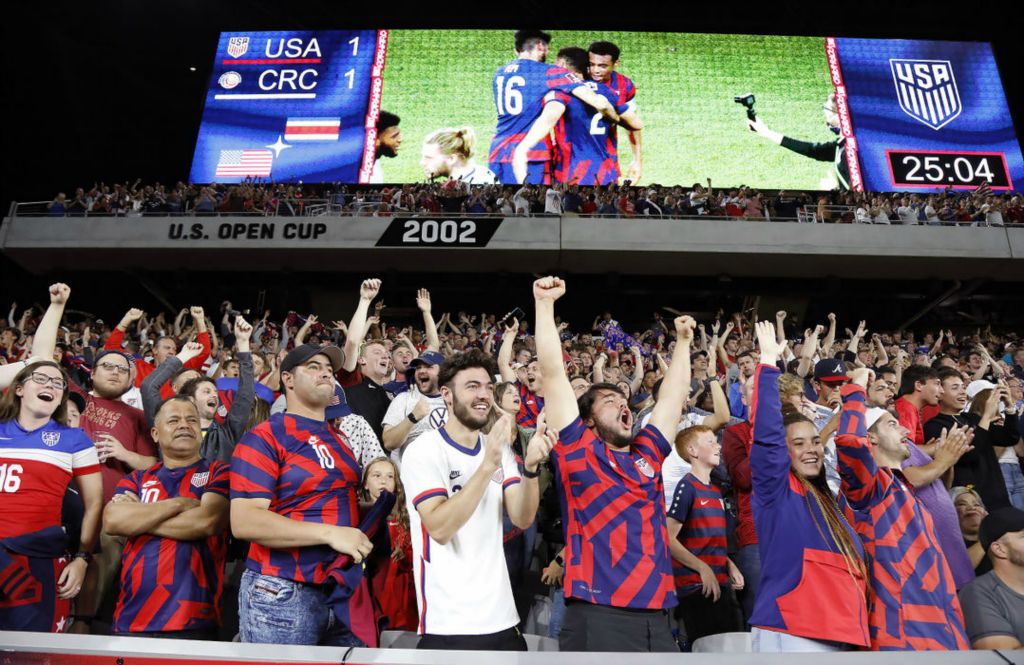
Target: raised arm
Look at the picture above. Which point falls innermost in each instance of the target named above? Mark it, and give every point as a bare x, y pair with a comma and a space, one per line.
830, 338
559, 399
508, 341
300, 334
638, 371
45, 339
241, 406
150, 386
863, 483
810, 347
769, 456
675, 387
357, 326
429, 326
780, 328
721, 416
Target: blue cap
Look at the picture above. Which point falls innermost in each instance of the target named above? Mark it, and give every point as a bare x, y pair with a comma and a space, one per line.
427, 358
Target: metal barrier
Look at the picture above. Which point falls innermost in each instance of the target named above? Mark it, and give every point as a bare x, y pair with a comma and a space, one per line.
44, 648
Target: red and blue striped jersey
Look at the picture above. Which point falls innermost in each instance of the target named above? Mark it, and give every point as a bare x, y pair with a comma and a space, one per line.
700, 509
613, 505
530, 405
36, 468
521, 89
624, 90
309, 474
913, 603
623, 86
168, 584
586, 148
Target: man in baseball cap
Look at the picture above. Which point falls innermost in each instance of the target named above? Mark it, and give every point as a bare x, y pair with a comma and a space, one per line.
994, 602
302, 354
419, 409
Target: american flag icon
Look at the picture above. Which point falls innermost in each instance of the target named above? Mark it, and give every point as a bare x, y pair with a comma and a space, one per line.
242, 163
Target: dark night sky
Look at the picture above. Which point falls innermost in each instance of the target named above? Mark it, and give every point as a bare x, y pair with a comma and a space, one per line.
103, 91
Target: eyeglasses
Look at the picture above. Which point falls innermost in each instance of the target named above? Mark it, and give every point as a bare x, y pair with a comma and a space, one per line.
113, 367
42, 379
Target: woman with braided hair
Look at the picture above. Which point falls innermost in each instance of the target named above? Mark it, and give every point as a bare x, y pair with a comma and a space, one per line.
814, 579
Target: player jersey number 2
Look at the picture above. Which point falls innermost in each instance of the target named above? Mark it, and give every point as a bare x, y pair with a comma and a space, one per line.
597, 125
510, 99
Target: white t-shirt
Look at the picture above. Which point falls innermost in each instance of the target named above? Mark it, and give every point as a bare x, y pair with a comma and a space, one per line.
553, 202
521, 203
930, 215
400, 408
674, 468
907, 215
862, 216
462, 588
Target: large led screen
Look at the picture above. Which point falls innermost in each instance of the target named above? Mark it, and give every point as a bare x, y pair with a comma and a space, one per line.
402, 106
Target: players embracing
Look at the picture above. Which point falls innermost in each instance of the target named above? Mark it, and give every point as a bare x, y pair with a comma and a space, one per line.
571, 137
522, 89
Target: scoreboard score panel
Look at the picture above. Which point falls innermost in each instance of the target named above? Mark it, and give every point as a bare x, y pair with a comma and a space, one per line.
913, 115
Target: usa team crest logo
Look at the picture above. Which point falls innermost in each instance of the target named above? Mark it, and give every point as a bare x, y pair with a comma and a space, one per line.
200, 479
51, 439
927, 90
644, 468
238, 46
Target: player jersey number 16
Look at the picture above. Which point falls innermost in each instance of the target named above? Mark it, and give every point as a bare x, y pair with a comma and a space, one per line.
510, 100
10, 477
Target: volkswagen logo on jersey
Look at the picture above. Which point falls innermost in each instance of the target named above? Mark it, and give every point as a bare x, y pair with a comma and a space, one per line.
439, 417
237, 46
644, 468
926, 90
51, 439
229, 80
200, 479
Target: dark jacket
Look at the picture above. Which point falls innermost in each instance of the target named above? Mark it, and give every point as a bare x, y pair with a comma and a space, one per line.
220, 438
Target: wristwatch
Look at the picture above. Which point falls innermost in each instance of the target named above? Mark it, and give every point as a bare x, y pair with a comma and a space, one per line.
412, 418
559, 560
531, 474
83, 555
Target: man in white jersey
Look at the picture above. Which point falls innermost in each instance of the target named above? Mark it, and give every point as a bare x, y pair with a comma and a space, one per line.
457, 481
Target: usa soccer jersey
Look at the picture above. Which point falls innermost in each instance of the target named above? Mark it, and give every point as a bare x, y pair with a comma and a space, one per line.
167, 584
613, 502
521, 89
463, 585
913, 604
309, 474
586, 147
36, 467
39, 466
530, 406
698, 507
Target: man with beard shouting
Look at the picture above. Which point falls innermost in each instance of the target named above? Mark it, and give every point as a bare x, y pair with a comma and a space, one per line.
618, 571
457, 483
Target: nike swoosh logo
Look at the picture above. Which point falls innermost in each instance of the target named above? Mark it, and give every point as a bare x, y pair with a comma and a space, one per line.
705, 502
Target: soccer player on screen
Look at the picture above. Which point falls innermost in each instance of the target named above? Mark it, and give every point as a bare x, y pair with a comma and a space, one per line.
603, 59
449, 152
521, 90
586, 150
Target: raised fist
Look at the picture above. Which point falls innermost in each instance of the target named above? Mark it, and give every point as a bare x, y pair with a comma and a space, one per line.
369, 289
59, 293
549, 288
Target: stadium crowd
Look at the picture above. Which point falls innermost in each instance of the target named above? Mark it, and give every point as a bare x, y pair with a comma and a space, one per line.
305, 482
977, 207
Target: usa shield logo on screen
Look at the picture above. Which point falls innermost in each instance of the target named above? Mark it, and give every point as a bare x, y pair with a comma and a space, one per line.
237, 46
926, 90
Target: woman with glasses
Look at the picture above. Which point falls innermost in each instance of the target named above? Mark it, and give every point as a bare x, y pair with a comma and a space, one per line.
38, 459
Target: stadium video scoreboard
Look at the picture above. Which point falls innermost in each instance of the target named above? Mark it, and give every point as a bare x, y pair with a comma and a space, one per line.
773, 112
